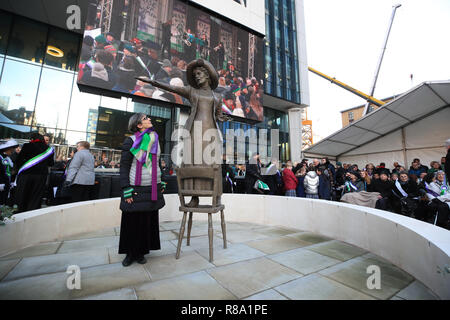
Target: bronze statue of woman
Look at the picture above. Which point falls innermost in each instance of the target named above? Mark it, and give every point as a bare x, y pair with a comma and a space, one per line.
206, 107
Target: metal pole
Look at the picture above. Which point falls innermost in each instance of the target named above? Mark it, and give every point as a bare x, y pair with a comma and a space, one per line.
394, 8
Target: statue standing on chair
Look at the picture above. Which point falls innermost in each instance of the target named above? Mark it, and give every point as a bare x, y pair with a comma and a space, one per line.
206, 110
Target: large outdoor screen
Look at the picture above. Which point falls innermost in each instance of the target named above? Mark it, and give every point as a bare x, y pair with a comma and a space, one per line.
125, 39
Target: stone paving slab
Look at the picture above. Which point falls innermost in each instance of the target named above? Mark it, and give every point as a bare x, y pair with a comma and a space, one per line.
416, 291
238, 236
193, 286
196, 231
267, 295
337, 250
88, 244
353, 273
317, 287
42, 249
95, 234
309, 237
167, 247
276, 244
120, 294
304, 261
234, 253
101, 279
44, 287
167, 235
57, 263
199, 243
246, 278
6, 266
277, 231
164, 267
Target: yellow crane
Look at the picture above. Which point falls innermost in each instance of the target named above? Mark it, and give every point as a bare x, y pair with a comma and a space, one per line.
349, 88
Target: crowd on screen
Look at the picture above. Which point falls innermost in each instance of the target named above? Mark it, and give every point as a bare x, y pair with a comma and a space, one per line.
108, 63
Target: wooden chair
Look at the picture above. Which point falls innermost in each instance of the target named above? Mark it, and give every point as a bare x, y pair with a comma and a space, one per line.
214, 174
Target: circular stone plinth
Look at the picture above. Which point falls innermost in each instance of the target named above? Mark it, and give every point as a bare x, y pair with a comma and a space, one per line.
260, 262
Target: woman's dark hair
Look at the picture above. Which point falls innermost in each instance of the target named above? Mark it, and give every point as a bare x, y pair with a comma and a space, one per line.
37, 136
135, 119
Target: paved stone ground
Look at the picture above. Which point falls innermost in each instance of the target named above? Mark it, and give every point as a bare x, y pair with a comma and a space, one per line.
261, 262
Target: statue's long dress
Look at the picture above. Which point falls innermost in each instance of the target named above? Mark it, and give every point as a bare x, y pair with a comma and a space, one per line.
204, 114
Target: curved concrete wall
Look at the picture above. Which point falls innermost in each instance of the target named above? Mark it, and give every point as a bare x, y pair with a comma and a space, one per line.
419, 248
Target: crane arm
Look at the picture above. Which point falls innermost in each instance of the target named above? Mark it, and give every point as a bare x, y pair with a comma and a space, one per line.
347, 87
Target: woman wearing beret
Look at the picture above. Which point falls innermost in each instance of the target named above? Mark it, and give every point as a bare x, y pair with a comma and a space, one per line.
140, 179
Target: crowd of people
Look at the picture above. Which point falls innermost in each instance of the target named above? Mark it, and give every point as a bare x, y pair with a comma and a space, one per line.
108, 63
419, 192
25, 173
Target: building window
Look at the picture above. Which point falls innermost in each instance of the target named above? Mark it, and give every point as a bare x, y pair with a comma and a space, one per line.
351, 117
28, 40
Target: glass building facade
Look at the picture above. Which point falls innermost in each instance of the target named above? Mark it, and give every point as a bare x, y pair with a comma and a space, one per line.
39, 92
281, 51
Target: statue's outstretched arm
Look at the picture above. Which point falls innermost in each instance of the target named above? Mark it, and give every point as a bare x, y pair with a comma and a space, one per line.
182, 91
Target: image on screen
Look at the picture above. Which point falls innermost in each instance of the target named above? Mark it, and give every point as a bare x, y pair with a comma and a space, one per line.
125, 39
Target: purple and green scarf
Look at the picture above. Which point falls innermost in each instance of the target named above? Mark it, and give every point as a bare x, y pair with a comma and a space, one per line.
145, 149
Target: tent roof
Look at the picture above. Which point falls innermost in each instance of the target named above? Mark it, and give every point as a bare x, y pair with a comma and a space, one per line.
414, 105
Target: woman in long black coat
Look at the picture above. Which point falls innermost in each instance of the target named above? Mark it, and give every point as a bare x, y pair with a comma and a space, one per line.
140, 179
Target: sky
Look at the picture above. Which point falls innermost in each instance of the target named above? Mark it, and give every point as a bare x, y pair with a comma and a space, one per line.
344, 39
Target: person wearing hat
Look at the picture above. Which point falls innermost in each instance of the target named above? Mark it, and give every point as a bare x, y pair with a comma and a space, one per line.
164, 73
100, 42
125, 76
111, 39
32, 162
6, 150
206, 110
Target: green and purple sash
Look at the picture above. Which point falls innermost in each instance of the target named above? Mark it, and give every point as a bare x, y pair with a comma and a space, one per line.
36, 160
145, 150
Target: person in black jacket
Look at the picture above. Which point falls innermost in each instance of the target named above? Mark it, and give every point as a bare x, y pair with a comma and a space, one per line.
166, 35
324, 184
252, 173
384, 187
142, 197
405, 194
32, 174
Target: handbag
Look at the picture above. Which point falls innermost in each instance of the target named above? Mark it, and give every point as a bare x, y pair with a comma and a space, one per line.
142, 200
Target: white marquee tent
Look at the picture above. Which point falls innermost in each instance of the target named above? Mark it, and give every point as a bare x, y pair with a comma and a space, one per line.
414, 125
